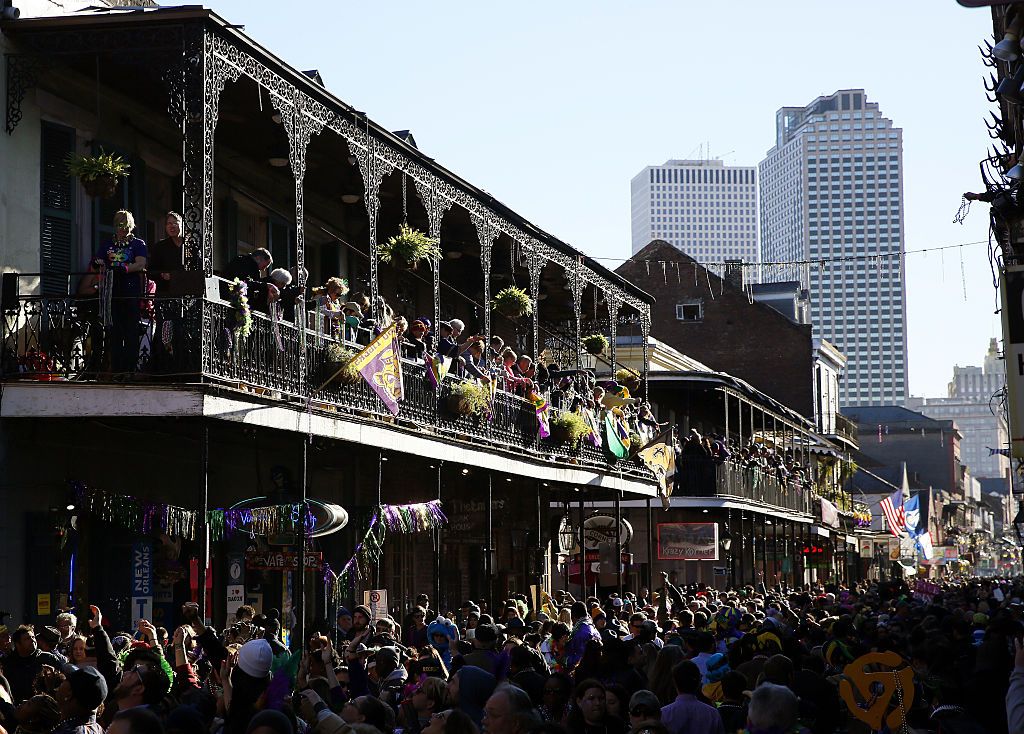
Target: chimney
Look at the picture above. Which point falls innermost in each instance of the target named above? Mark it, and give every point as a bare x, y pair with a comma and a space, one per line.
734, 273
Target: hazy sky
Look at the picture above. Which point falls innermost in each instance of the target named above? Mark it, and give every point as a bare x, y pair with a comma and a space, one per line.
553, 107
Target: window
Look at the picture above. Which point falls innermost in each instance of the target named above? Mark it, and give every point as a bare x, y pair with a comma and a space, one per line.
57, 210
690, 310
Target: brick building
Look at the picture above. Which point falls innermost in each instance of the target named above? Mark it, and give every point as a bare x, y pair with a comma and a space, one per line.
717, 321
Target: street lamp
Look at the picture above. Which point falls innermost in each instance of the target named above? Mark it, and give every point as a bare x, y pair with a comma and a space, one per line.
725, 537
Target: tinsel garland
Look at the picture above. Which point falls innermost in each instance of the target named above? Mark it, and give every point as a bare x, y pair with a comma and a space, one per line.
147, 517
242, 315
412, 518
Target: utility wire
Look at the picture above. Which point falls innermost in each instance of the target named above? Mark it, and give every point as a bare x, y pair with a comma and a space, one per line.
815, 261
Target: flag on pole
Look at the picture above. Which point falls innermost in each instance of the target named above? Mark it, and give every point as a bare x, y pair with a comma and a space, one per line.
895, 518
613, 445
660, 457
380, 364
912, 515
923, 541
542, 408
594, 438
437, 368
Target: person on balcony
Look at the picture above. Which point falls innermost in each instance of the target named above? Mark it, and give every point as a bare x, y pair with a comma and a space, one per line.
415, 344
513, 382
167, 255
329, 307
250, 266
121, 262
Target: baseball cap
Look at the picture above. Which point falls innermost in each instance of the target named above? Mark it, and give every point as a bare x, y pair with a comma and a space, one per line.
255, 658
88, 687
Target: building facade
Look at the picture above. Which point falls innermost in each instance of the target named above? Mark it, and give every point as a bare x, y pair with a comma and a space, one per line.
831, 192
972, 402
704, 208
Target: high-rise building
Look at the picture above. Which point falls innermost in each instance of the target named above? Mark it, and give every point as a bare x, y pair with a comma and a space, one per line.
971, 402
704, 208
832, 188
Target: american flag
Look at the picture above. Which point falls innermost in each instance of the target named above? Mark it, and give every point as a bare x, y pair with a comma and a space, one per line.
892, 508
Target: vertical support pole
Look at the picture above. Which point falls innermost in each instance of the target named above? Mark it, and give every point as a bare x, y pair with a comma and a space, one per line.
583, 551
739, 420
618, 540
576, 285
645, 334
725, 400
539, 552
300, 590
489, 555
650, 545
568, 553
437, 547
614, 302
373, 168
204, 506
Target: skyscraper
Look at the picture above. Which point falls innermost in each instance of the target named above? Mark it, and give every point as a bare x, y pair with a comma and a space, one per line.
705, 208
832, 188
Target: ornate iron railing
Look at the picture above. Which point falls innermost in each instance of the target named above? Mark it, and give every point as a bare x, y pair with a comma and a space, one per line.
698, 476
193, 340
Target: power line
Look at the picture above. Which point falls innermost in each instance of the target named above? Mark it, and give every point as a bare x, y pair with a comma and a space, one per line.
815, 261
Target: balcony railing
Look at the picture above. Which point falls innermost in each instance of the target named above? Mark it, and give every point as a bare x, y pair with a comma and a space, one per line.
191, 340
703, 477
846, 428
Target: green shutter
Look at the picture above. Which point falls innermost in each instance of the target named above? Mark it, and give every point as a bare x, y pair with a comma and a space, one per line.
56, 209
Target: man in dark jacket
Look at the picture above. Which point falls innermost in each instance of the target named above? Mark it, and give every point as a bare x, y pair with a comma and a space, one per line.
24, 662
78, 698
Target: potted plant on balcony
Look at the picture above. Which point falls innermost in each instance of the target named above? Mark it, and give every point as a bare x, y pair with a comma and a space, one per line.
408, 247
595, 344
99, 174
569, 427
513, 302
338, 365
469, 399
628, 379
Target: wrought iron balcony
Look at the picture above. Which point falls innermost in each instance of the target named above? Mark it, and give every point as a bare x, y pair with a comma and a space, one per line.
702, 477
191, 340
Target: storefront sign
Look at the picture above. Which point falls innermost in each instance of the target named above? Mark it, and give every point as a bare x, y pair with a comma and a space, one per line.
687, 541
894, 549
467, 519
43, 605
599, 529
926, 591
282, 561
142, 581
867, 548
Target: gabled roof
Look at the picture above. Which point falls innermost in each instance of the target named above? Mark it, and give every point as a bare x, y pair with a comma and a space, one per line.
893, 416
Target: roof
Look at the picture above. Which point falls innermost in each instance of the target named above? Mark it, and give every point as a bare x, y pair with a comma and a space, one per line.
893, 416
177, 15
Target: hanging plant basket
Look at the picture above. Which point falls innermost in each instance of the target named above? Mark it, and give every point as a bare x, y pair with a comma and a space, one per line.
101, 187
513, 302
469, 399
99, 174
338, 366
569, 428
595, 344
407, 248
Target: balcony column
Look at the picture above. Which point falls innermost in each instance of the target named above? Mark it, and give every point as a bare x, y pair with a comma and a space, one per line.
206, 75
645, 333
535, 264
489, 547
373, 167
486, 234
204, 502
614, 302
583, 552
650, 545
300, 581
300, 130
437, 206
618, 540
739, 420
725, 400
576, 286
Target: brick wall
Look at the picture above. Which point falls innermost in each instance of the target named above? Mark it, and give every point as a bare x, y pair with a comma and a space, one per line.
748, 340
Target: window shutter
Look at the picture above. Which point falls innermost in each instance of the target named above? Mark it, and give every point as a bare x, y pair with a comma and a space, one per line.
56, 209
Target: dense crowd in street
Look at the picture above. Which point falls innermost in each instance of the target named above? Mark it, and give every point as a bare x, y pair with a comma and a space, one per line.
688, 660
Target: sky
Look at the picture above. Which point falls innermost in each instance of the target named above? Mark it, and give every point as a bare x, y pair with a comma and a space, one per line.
552, 107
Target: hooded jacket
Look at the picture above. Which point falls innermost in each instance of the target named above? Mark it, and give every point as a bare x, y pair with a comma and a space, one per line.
446, 627
475, 686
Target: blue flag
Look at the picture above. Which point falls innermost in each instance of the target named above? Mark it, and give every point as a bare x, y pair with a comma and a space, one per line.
912, 511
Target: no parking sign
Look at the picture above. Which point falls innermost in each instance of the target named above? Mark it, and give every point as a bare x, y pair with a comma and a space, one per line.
377, 601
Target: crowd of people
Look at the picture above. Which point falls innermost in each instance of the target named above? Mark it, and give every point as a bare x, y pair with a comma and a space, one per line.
781, 464
690, 660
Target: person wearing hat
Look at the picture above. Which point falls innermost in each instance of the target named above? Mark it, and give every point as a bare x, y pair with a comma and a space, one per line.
717, 666
360, 630
484, 655
416, 340
78, 698
644, 708
391, 676
245, 683
48, 639
344, 624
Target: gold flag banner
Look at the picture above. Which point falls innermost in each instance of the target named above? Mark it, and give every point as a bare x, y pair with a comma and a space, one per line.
660, 457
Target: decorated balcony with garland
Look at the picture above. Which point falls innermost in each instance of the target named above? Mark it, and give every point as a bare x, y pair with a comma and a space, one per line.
177, 110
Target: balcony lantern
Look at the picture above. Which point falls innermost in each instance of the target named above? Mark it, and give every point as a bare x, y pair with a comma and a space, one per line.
566, 535
725, 537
